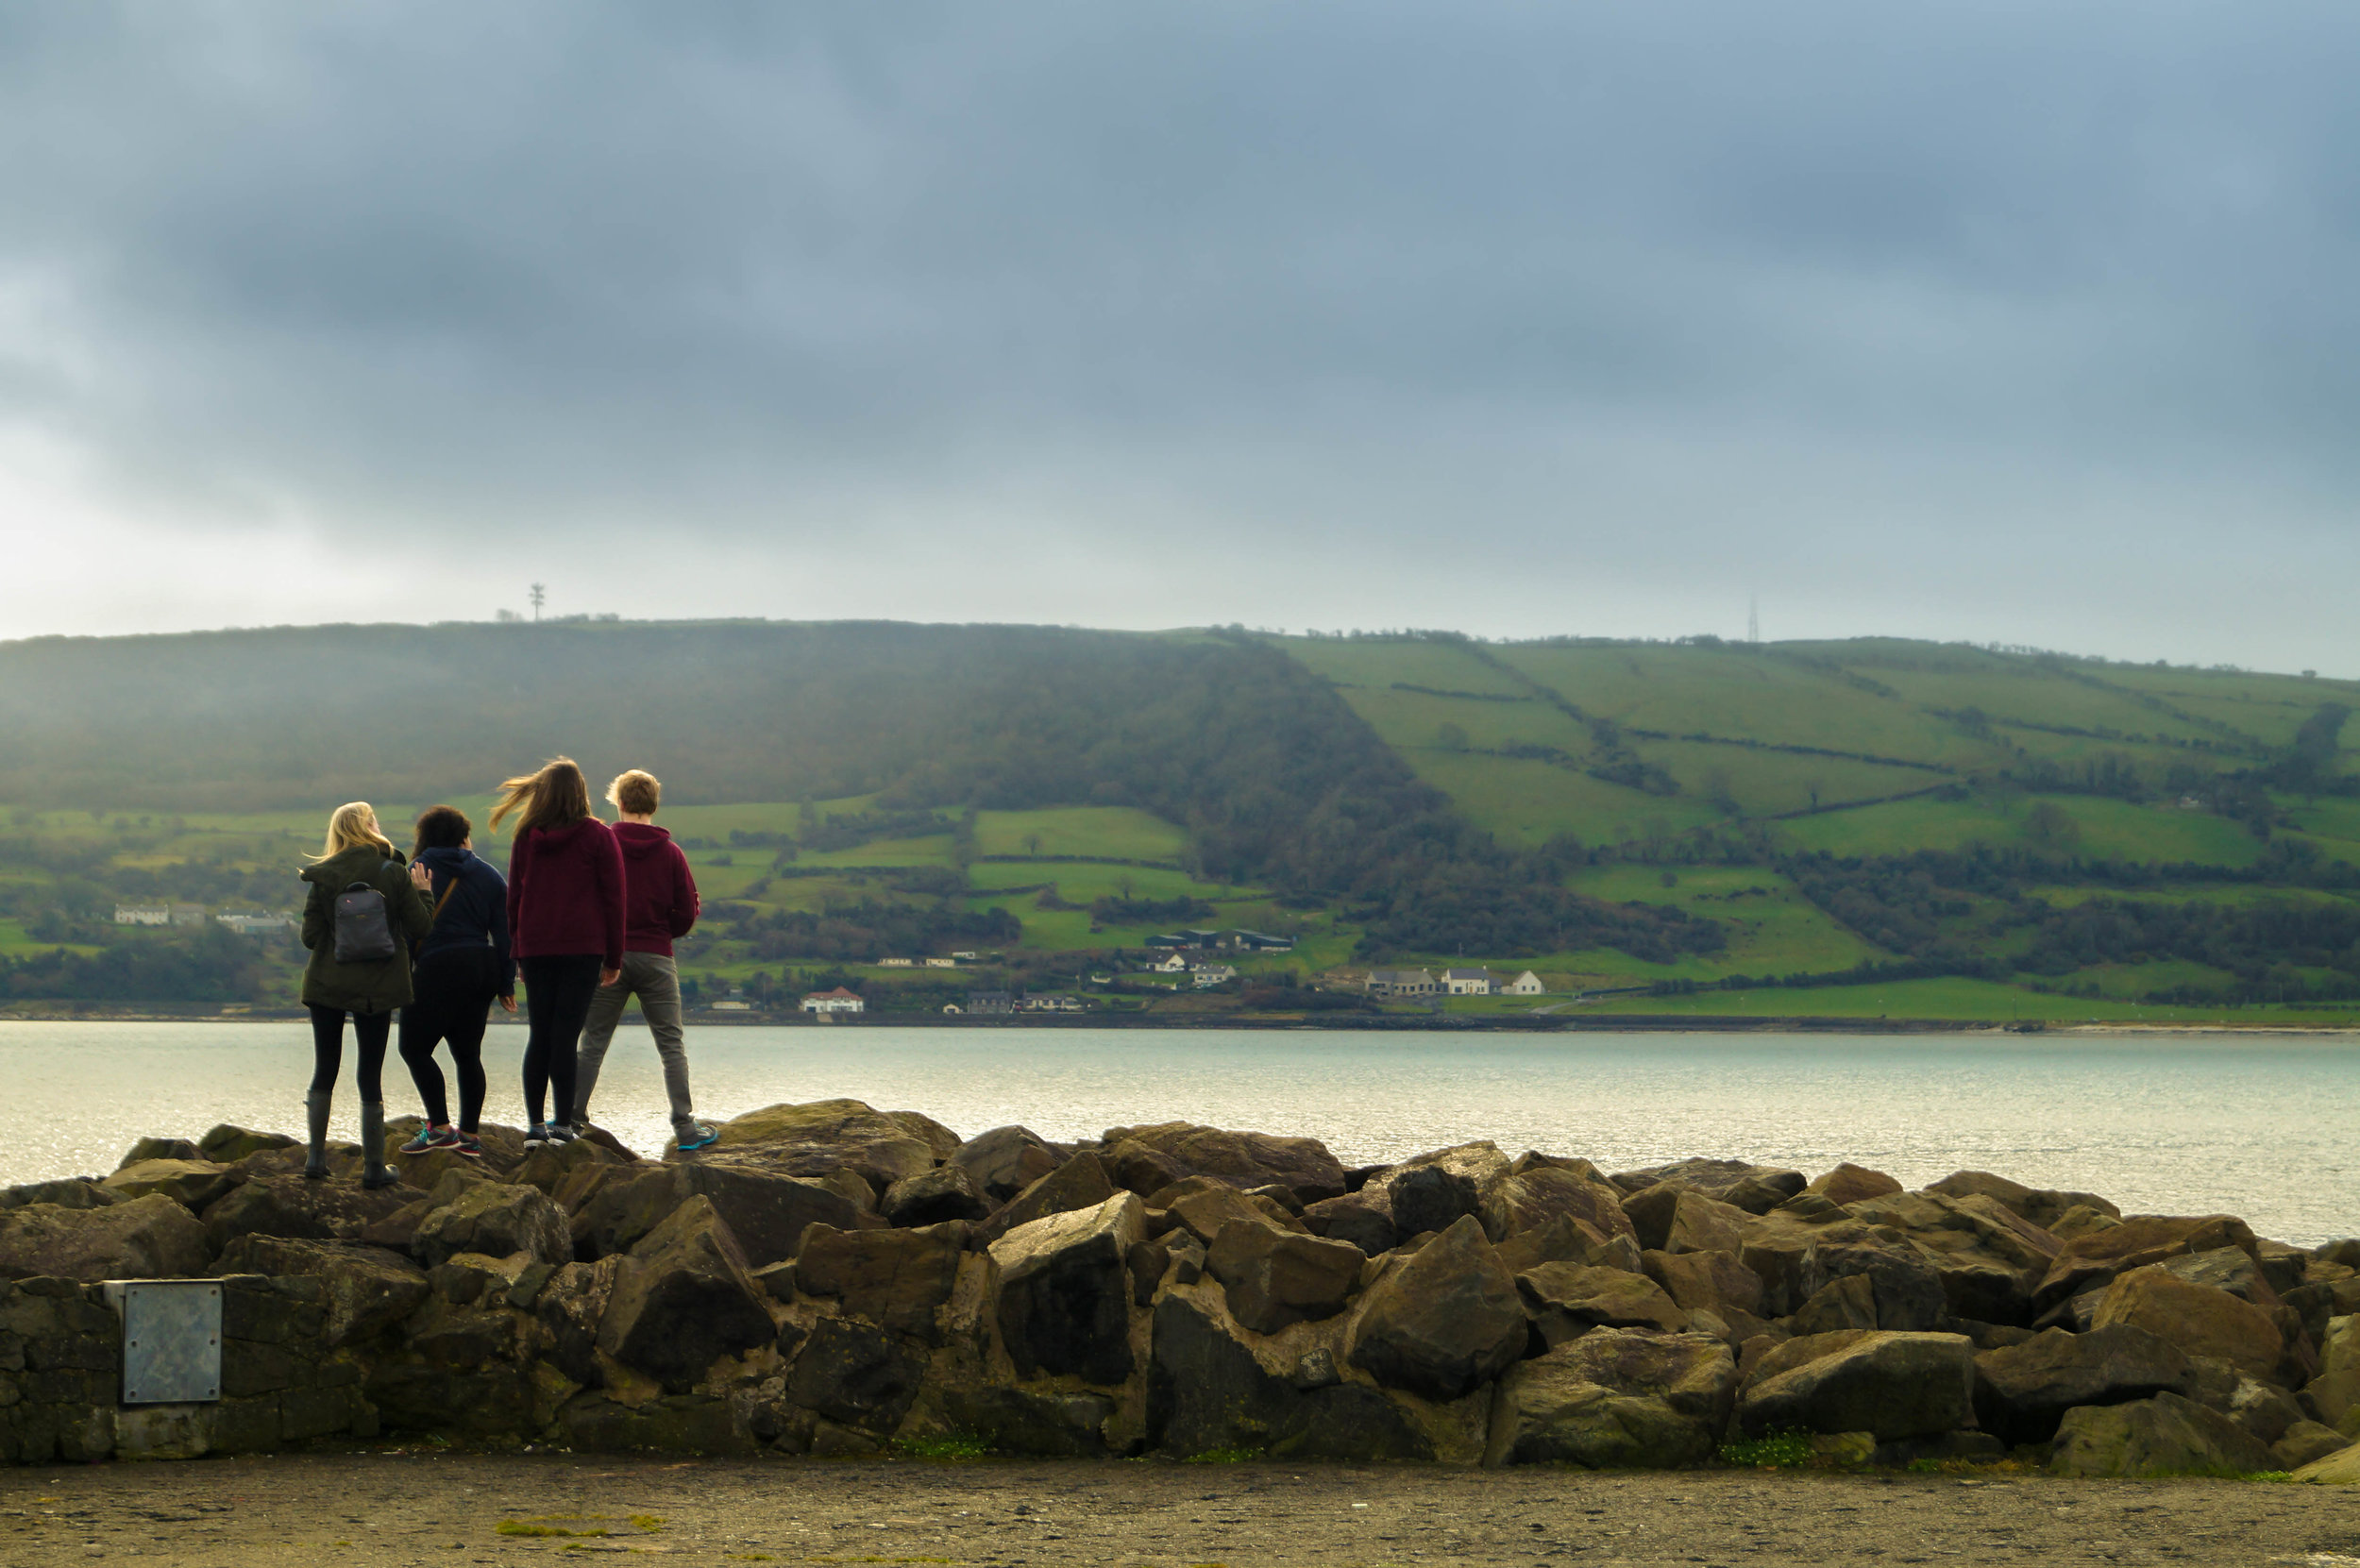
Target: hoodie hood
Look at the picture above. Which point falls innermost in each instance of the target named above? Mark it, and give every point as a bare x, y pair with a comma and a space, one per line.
557, 838
640, 839
445, 857
347, 866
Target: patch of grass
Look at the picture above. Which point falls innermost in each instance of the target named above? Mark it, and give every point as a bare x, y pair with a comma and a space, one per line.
647, 1521
1114, 832
2268, 1475
947, 1446
1777, 1451
1224, 1456
2108, 829
536, 1528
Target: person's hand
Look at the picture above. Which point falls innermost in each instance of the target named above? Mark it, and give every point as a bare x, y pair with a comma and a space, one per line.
508, 1004
608, 977
420, 878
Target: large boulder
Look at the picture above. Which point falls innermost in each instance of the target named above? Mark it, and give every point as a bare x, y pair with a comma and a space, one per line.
898, 1279
1896, 1385
1004, 1161
826, 1135
1850, 1184
1444, 1320
1531, 1196
1145, 1159
2336, 1391
2199, 1320
364, 1291
2341, 1468
1566, 1299
1064, 1292
150, 1148
1213, 1386
1907, 1290
291, 1207
149, 1238
2023, 1390
66, 1192
2043, 1208
189, 1183
1081, 1182
498, 1219
855, 1373
684, 1300
1275, 1278
1776, 1244
1207, 1209
1706, 1280
2092, 1259
229, 1143
933, 1197
1755, 1189
1429, 1197
1615, 1399
1365, 1219
2164, 1435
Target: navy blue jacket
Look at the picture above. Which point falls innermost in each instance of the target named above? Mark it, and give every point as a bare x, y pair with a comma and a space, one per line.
477, 914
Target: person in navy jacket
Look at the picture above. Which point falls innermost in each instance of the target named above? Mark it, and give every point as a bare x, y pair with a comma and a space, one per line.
463, 967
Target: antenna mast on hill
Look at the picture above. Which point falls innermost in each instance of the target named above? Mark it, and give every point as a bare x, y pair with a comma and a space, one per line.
537, 595
1753, 618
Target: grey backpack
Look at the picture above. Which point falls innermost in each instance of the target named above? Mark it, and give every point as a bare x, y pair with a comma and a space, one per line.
365, 928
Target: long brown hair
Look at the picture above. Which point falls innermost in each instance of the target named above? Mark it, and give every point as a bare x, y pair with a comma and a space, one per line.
555, 796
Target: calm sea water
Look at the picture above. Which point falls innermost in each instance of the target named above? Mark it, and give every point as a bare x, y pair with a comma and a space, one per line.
2268, 1129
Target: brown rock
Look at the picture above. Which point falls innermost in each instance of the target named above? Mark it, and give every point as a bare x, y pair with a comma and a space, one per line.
2042, 1207
335, 1209
495, 1219
1893, 1384
1566, 1299
1274, 1277
147, 1237
2023, 1390
1565, 1239
2090, 1259
1081, 1182
824, 1136
1708, 1280
682, 1300
1004, 1161
896, 1278
933, 1197
2197, 1318
364, 1289
1364, 1219
1444, 1321
1525, 1199
1848, 1184
189, 1183
1064, 1292
1146, 1158
1213, 1207
1849, 1303
1615, 1399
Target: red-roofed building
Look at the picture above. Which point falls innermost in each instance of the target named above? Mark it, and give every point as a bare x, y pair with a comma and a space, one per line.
837, 1001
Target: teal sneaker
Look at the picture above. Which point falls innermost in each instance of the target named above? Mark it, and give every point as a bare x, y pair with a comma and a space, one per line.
429, 1139
697, 1137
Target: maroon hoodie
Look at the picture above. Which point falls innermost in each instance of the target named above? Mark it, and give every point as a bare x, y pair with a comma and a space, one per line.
565, 892
661, 902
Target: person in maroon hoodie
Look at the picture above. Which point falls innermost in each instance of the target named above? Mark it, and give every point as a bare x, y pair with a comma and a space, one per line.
565, 924
659, 907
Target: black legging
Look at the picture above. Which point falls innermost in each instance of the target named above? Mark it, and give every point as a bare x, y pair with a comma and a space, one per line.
557, 1004
454, 990
328, 1050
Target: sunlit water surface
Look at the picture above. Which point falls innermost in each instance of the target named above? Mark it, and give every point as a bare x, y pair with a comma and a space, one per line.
2269, 1129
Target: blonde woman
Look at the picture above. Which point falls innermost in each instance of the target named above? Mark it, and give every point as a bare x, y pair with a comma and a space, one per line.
566, 927
361, 915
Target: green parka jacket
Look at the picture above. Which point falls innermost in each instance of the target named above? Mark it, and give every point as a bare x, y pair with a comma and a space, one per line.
380, 986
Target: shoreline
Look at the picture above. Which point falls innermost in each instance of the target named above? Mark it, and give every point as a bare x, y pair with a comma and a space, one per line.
1612, 1024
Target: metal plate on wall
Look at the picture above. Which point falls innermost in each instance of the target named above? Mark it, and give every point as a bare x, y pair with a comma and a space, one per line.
171, 1341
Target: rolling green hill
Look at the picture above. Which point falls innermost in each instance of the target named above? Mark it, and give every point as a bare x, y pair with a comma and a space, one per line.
1784, 829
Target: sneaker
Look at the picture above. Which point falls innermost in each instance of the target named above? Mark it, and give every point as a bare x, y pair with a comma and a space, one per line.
538, 1136
467, 1144
697, 1137
561, 1132
429, 1139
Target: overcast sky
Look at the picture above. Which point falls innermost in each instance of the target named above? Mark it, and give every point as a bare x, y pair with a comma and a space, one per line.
2017, 323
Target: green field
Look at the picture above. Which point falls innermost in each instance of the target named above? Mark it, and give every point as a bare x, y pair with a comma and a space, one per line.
1747, 786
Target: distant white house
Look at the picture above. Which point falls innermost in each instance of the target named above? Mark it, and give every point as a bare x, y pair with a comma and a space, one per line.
1176, 964
1468, 982
1401, 983
258, 925
1052, 1004
1204, 976
897, 963
942, 963
188, 914
732, 1004
962, 957
837, 1001
143, 914
1526, 983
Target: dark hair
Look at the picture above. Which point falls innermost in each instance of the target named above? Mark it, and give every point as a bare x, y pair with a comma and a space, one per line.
441, 828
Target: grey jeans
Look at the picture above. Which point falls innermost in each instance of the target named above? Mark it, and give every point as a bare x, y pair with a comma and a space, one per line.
653, 978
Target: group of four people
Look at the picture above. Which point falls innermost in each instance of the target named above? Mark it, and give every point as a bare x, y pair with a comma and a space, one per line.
588, 915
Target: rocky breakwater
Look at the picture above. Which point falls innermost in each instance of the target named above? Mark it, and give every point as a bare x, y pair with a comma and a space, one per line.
833, 1279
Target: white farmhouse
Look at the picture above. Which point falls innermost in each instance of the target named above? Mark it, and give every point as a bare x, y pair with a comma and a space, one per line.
837, 1001
1526, 983
1468, 982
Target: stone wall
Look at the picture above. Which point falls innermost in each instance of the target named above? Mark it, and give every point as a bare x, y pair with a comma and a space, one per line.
833, 1279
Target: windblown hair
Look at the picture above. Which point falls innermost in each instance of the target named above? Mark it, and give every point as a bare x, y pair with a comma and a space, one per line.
557, 795
351, 825
441, 828
636, 792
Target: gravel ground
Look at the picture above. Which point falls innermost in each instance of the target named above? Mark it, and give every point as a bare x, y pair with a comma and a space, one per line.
401, 1509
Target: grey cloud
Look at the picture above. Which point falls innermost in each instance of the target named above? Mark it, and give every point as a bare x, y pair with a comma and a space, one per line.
1913, 319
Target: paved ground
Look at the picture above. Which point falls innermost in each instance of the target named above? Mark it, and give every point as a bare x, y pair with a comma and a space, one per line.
279, 1512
